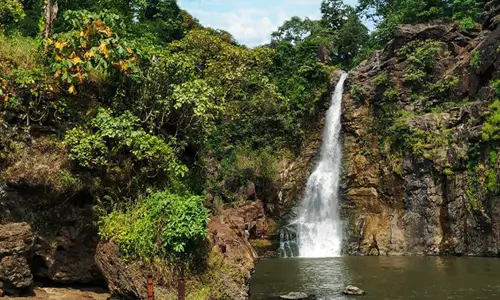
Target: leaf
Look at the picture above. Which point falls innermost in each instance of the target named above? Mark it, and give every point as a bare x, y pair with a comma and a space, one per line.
104, 49
71, 89
89, 54
76, 60
60, 45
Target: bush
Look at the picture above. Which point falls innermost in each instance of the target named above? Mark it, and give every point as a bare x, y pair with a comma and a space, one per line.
381, 80
11, 12
420, 56
491, 128
108, 140
90, 51
245, 164
160, 225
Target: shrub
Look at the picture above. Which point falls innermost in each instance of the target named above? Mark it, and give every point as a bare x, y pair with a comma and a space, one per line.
159, 225
11, 12
491, 128
381, 80
476, 58
90, 50
108, 140
391, 94
420, 56
246, 164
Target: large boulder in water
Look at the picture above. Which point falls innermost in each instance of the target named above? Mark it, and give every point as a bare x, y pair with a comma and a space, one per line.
353, 290
293, 295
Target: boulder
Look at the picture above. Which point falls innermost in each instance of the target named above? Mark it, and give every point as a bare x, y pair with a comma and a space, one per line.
292, 295
295, 295
122, 282
63, 247
16, 241
353, 291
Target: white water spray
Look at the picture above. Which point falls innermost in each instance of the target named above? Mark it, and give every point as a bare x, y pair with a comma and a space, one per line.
317, 231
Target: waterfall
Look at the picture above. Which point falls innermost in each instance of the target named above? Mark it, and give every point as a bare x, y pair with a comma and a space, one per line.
317, 231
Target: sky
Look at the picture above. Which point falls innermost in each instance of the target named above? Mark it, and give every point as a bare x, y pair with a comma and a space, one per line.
251, 22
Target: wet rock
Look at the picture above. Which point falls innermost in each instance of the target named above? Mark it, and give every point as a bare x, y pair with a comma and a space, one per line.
353, 290
295, 295
292, 295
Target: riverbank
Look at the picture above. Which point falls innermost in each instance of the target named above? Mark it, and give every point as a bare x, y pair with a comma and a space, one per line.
57, 293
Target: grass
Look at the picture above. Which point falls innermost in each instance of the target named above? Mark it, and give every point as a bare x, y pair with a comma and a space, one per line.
18, 52
42, 163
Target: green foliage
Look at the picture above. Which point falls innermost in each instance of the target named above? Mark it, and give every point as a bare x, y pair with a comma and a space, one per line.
476, 59
11, 12
477, 187
391, 94
257, 165
466, 12
442, 86
381, 80
491, 128
355, 92
109, 141
420, 56
448, 172
26, 88
159, 225
350, 40
495, 85
89, 50
387, 15
296, 30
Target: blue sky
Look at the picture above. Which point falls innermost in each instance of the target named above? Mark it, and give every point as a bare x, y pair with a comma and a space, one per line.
251, 22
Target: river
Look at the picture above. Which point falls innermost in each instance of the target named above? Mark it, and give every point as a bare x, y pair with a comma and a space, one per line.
383, 278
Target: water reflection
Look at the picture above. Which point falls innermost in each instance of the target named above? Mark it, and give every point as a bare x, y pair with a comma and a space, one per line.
382, 277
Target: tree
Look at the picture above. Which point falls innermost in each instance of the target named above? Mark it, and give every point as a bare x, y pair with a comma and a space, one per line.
350, 40
388, 14
11, 12
334, 14
295, 30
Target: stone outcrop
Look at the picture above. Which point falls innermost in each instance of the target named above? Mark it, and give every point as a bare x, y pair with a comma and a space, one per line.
59, 241
16, 241
408, 147
230, 259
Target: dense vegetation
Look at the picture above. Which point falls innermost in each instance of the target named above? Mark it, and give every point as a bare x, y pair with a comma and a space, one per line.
162, 120
153, 114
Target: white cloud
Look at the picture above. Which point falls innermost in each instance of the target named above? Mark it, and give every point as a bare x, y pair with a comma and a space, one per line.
251, 22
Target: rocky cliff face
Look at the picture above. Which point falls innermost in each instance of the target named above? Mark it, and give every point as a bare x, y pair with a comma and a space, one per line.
420, 174
55, 242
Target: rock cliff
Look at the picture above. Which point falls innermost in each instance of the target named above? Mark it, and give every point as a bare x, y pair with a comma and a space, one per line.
420, 152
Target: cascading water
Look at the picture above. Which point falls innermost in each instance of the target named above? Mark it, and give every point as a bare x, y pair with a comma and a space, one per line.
317, 231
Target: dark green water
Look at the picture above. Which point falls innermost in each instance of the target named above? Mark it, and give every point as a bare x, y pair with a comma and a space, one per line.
383, 278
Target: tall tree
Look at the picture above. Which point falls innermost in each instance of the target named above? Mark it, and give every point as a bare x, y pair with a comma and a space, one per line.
334, 14
350, 40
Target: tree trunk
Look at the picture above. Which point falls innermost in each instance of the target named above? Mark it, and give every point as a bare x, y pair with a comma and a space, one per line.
49, 16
